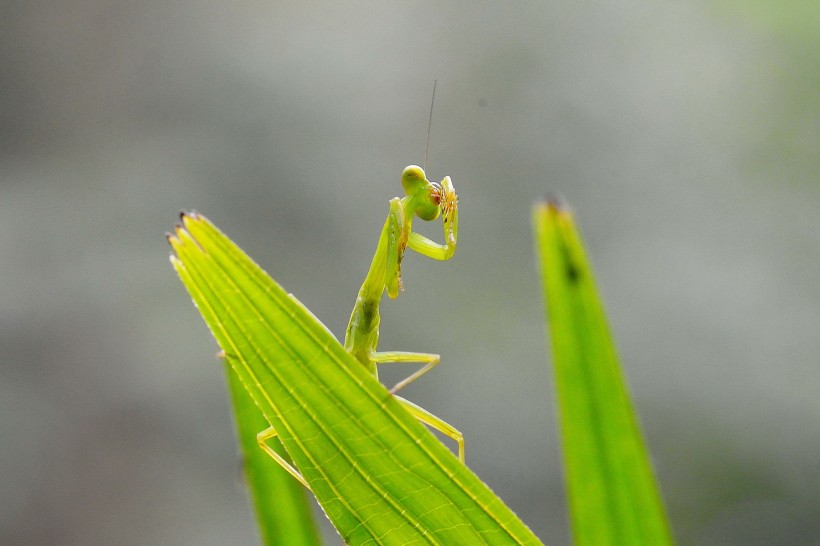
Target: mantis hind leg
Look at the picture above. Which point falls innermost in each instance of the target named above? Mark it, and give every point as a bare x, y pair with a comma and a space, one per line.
429, 360
269, 434
435, 423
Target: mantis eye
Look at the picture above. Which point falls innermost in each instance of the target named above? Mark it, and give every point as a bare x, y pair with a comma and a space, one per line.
429, 206
413, 179
425, 196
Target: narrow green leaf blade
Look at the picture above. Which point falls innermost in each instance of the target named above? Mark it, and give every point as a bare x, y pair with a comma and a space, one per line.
280, 502
380, 476
612, 492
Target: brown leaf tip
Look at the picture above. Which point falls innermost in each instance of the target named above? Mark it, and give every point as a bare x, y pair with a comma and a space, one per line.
556, 202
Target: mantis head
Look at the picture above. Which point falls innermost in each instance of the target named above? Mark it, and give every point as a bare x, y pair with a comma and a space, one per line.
424, 195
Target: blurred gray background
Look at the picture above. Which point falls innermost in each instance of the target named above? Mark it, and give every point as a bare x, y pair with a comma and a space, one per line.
683, 134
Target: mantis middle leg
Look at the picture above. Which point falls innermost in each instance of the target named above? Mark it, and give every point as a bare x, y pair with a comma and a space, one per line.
429, 360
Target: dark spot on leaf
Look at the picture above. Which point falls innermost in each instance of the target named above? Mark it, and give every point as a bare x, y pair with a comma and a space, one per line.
573, 273
571, 269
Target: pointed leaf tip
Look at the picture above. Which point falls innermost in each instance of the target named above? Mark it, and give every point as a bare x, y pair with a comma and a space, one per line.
555, 200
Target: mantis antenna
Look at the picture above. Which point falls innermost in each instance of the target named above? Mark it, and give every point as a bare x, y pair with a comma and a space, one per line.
430, 124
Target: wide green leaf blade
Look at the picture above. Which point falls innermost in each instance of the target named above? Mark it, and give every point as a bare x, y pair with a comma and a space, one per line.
380, 476
613, 497
280, 502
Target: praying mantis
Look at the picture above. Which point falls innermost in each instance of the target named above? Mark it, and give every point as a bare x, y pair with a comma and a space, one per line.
365, 453
428, 201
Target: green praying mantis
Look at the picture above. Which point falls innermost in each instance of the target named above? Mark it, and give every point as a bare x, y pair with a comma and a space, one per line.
428, 201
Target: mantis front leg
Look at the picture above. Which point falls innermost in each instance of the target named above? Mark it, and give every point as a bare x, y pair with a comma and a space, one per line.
397, 239
449, 220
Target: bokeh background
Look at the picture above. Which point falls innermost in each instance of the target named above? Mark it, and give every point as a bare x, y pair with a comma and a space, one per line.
684, 135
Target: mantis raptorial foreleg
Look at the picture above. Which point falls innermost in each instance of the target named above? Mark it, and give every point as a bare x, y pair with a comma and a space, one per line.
449, 208
396, 243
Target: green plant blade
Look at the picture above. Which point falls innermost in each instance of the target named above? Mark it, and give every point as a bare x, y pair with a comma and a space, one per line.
282, 511
613, 497
380, 476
